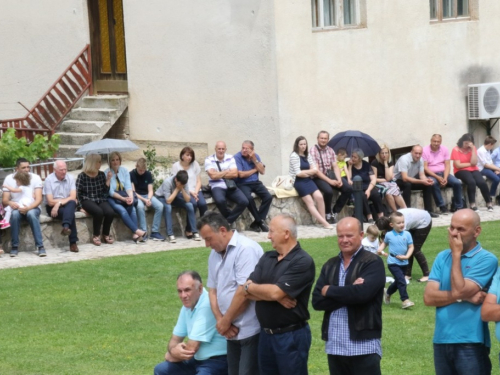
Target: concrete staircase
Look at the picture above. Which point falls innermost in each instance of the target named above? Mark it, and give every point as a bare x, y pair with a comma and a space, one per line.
89, 121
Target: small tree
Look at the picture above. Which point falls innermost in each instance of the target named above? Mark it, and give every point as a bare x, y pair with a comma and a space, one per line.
13, 148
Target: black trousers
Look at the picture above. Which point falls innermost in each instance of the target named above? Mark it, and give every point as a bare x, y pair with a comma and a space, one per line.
407, 187
471, 180
102, 214
327, 191
261, 191
419, 236
368, 364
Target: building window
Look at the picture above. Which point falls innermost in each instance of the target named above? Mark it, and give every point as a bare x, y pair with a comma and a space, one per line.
442, 10
335, 14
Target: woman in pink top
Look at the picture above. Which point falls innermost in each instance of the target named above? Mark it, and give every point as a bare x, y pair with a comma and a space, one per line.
464, 157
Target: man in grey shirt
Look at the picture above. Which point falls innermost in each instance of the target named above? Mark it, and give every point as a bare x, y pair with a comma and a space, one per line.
60, 201
409, 174
232, 260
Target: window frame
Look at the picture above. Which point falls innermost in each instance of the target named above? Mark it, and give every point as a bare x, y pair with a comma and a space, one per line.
472, 4
318, 5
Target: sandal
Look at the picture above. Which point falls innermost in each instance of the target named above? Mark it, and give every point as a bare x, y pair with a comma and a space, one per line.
137, 239
188, 236
96, 240
108, 239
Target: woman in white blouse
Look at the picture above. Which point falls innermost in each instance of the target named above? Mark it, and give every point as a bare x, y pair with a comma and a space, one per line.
303, 170
188, 163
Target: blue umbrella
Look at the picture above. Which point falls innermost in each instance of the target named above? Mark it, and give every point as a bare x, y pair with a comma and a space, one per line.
352, 139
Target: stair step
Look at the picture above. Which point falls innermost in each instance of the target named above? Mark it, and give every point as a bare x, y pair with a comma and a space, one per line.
78, 126
118, 102
94, 114
78, 138
66, 151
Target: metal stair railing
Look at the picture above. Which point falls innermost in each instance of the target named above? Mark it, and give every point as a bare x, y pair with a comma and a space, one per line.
57, 102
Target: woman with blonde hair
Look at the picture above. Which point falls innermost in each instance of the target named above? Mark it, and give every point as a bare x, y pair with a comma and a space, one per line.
121, 196
383, 168
91, 189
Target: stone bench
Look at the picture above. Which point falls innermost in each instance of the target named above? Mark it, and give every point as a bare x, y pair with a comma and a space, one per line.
52, 238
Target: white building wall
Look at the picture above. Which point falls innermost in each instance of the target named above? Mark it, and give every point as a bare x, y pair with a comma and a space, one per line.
400, 79
203, 72
39, 39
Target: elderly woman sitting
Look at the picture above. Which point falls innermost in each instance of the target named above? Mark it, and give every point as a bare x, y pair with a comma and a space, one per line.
121, 196
362, 168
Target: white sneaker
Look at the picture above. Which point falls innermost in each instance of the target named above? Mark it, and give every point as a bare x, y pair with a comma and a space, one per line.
171, 239
407, 304
387, 298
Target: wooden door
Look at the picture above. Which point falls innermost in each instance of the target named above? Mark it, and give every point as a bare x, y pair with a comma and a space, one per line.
107, 33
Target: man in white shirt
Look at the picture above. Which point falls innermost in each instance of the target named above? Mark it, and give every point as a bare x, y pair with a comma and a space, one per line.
30, 213
221, 167
487, 167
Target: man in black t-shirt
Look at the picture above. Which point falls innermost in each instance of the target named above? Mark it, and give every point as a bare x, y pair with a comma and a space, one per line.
142, 183
281, 284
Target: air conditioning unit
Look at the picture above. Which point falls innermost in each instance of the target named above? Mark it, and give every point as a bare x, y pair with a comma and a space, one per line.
484, 101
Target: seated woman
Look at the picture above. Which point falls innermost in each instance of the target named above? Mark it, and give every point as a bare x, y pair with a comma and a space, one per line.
464, 156
362, 168
92, 188
302, 170
121, 196
191, 166
383, 167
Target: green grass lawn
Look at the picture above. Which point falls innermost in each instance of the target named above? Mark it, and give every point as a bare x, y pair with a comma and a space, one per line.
115, 315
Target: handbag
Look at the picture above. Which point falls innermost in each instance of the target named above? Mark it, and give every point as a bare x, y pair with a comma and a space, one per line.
230, 184
124, 194
283, 182
329, 173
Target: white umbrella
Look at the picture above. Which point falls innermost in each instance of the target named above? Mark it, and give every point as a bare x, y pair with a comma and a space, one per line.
107, 146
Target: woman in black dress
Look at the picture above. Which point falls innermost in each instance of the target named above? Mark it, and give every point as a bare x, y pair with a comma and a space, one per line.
303, 170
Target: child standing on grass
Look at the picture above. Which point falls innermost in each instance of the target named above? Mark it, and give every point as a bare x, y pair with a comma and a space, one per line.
400, 250
22, 194
371, 241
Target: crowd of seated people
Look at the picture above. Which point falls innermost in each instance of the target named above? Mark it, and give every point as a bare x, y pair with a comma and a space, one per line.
232, 179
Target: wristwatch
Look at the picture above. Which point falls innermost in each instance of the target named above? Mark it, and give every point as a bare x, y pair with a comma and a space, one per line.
246, 286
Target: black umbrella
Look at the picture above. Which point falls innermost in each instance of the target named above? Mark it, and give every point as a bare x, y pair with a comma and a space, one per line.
352, 139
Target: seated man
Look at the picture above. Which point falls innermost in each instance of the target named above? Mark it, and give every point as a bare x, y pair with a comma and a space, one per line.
249, 166
60, 201
221, 167
30, 213
437, 167
487, 168
142, 184
409, 174
205, 350
169, 194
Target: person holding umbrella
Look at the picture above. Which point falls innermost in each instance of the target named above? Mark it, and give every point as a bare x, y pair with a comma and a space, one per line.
92, 188
121, 196
303, 170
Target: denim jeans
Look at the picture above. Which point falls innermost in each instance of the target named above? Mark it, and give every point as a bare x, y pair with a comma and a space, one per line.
33, 218
454, 183
284, 353
221, 196
462, 359
399, 282
167, 213
67, 215
141, 214
494, 178
211, 366
128, 214
201, 205
242, 356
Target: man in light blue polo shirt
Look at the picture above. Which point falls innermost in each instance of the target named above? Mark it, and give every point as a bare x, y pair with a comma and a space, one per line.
205, 350
456, 287
490, 312
232, 260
